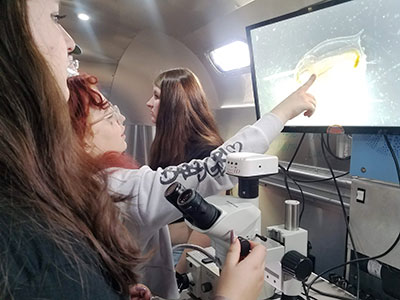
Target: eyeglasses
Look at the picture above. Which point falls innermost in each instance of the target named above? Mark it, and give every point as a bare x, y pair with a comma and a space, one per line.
115, 114
73, 67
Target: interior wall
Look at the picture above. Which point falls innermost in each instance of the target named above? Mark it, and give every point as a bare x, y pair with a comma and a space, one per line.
149, 54
103, 72
323, 221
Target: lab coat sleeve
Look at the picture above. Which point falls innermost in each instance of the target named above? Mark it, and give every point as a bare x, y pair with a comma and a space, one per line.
150, 210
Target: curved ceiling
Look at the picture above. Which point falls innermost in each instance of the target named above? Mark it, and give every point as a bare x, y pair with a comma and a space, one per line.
113, 24
199, 25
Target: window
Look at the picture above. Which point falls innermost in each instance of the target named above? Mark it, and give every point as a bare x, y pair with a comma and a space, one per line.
231, 57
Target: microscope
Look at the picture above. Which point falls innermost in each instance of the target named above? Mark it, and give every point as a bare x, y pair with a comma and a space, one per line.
286, 264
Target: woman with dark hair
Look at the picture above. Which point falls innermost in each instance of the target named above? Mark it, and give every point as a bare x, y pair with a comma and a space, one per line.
185, 130
60, 233
185, 126
147, 213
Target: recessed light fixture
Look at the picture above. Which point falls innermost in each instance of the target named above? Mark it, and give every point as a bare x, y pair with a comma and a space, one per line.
231, 57
83, 17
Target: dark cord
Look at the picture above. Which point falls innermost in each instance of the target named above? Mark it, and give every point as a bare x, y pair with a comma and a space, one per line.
310, 297
396, 162
320, 180
287, 175
379, 255
323, 146
329, 295
305, 290
295, 151
355, 261
296, 181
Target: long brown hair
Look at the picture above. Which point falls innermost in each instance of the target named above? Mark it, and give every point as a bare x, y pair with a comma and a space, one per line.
183, 118
46, 178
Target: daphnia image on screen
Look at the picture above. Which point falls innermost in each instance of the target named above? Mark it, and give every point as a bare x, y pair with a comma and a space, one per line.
354, 49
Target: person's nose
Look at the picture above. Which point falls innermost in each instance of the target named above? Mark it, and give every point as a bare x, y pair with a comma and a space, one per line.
150, 103
69, 41
122, 120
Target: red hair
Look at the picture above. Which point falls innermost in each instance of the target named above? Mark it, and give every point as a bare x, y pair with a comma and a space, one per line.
83, 95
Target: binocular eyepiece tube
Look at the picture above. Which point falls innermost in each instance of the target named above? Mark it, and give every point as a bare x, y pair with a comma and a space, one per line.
194, 208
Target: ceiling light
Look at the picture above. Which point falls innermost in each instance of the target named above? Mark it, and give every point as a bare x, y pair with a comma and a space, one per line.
231, 57
83, 17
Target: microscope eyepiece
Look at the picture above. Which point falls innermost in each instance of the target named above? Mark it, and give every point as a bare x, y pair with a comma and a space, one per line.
186, 197
193, 207
173, 192
201, 213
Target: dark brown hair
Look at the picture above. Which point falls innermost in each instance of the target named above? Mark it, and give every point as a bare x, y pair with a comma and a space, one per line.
45, 175
183, 118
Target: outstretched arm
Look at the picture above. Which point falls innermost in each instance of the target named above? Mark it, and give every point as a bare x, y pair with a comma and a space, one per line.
298, 102
207, 176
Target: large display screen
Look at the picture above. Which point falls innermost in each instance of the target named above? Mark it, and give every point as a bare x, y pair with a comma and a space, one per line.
354, 49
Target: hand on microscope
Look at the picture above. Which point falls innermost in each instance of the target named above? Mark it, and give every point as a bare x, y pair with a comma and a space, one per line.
139, 292
296, 103
242, 279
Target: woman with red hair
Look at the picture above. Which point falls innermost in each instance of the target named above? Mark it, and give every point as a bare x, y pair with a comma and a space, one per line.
98, 123
60, 233
147, 213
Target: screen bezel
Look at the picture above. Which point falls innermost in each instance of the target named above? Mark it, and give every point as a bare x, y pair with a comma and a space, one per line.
308, 129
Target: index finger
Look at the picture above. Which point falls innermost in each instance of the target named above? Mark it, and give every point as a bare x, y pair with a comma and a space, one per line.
309, 82
233, 254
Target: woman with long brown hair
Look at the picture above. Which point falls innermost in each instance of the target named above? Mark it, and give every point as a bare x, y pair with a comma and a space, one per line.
185, 129
100, 127
185, 126
60, 234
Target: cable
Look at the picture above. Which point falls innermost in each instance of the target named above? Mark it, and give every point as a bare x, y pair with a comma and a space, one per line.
396, 162
323, 146
305, 291
215, 259
295, 151
356, 261
320, 180
286, 173
376, 256
296, 181
310, 297
329, 295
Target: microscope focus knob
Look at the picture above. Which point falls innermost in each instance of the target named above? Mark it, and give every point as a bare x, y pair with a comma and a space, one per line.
206, 287
296, 265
